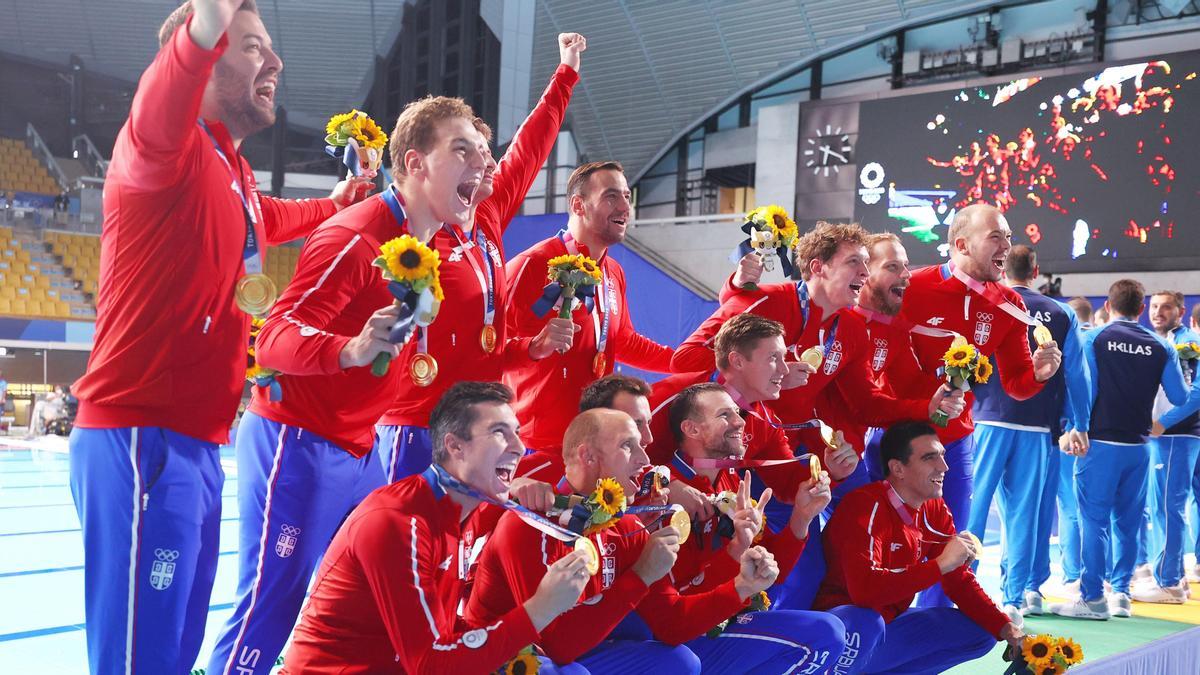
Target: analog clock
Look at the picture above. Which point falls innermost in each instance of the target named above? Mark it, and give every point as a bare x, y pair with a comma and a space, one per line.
828, 150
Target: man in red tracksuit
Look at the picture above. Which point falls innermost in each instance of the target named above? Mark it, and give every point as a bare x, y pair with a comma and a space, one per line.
633, 568
304, 461
816, 312
388, 593
891, 539
470, 343
183, 222
965, 296
585, 347
628, 394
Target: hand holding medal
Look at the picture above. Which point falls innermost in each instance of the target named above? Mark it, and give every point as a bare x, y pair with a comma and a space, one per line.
411, 269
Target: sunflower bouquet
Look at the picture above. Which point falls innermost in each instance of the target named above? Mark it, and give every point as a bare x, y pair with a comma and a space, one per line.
569, 276
1188, 351
411, 270
597, 511
964, 365
357, 140
1045, 655
759, 602
256, 374
772, 233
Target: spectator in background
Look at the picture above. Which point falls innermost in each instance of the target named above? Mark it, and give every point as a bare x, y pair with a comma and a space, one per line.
1083, 310
1100, 317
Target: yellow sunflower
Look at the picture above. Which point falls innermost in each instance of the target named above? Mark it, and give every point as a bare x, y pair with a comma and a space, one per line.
1069, 650
367, 133
960, 357
335, 123
408, 259
778, 220
1048, 668
525, 663
1038, 651
609, 495
591, 267
562, 260
254, 372
983, 369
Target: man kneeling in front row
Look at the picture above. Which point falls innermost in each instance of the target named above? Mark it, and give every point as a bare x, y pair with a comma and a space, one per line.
889, 540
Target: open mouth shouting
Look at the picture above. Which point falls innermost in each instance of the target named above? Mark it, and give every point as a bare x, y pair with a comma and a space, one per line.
466, 191
264, 95
506, 471
897, 292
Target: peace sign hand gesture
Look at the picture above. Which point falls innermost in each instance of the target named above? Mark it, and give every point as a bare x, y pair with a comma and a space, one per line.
748, 518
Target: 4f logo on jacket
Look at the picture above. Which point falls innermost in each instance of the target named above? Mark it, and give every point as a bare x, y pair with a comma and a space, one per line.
983, 327
162, 572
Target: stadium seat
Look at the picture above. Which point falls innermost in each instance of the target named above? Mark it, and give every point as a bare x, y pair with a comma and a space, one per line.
5, 306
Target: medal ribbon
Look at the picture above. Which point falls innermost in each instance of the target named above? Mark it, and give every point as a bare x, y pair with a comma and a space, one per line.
992, 296
485, 275
392, 200
536, 520
727, 463
251, 256
803, 298
601, 299
898, 504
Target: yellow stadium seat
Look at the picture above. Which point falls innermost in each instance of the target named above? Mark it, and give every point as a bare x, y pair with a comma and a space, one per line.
5, 306
8, 292
19, 307
33, 307
43, 282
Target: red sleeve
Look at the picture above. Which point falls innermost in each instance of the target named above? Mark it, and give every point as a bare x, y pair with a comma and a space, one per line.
287, 219
718, 569
963, 588
728, 290
334, 266
1015, 362
162, 118
696, 354
675, 618
859, 534
516, 352
876, 407
579, 629
529, 149
786, 548
399, 568
526, 278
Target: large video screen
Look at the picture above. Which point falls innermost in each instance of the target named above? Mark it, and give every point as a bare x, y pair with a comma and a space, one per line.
1099, 171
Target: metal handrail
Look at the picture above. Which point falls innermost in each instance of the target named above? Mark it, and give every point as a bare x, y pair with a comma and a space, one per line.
38, 146
91, 156
692, 220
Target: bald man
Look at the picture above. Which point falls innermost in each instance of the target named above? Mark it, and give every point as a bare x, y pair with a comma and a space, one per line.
632, 578
965, 295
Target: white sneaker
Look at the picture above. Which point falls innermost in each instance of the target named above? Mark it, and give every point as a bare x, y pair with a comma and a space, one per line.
1097, 610
1159, 595
1186, 588
1070, 589
1120, 606
1143, 572
1014, 615
1032, 604
1193, 575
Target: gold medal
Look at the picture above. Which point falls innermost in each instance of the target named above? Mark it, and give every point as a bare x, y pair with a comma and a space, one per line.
829, 436
487, 338
813, 356
255, 293
589, 550
682, 524
599, 363
976, 543
424, 369
814, 465
1041, 335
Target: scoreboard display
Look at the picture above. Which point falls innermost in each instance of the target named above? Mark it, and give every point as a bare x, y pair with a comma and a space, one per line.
1098, 171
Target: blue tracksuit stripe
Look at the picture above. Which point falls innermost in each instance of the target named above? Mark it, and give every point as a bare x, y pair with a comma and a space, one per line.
403, 451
